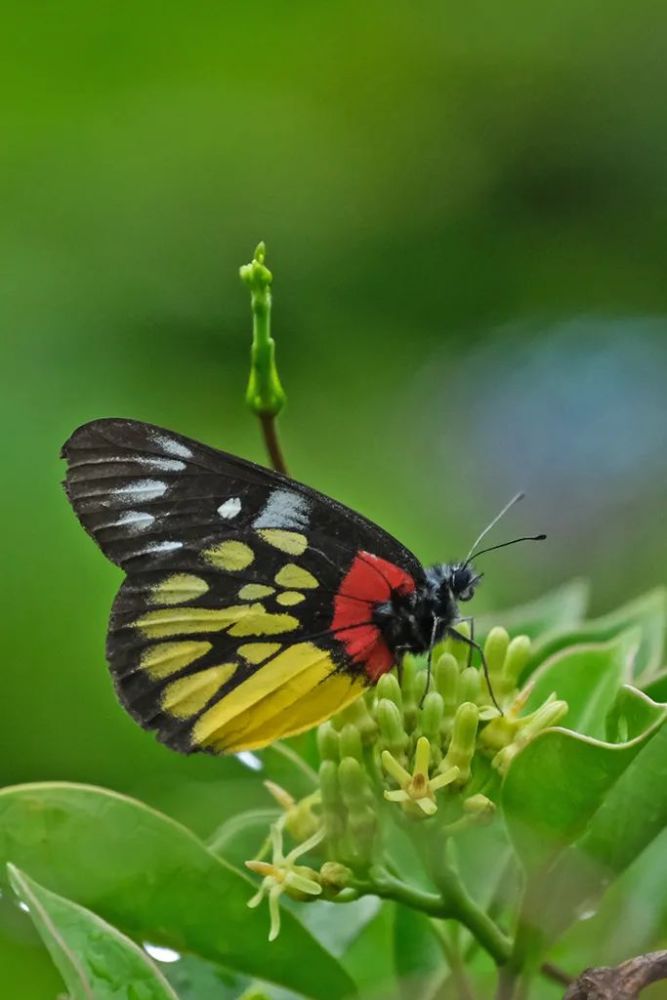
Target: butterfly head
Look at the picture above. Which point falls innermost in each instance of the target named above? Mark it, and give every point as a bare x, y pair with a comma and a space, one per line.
461, 579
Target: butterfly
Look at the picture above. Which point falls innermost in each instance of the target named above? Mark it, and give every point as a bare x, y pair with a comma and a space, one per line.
253, 607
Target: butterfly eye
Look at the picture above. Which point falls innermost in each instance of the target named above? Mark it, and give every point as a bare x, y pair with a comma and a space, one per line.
463, 582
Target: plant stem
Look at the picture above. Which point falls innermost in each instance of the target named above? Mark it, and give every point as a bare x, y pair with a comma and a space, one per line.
385, 886
462, 907
452, 902
458, 902
272, 443
507, 983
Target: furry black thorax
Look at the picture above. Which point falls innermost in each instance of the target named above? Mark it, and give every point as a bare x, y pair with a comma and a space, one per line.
414, 621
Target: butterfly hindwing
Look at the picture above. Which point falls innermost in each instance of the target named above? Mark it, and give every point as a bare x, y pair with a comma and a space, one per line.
231, 629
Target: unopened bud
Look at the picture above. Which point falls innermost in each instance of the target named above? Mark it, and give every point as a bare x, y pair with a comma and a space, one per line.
388, 687
328, 742
479, 806
495, 649
515, 661
350, 742
464, 736
334, 877
392, 732
469, 685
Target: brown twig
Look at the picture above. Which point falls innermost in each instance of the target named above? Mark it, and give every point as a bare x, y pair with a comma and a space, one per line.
555, 974
272, 442
620, 982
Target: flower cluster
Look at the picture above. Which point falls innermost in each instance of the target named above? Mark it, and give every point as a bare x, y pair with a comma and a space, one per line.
427, 745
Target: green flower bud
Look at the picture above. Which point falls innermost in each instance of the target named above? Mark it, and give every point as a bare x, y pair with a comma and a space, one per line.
392, 733
332, 806
495, 649
361, 818
334, 877
459, 650
446, 676
515, 660
479, 806
413, 689
388, 687
265, 395
432, 712
464, 738
358, 714
409, 669
328, 742
350, 742
353, 782
469, 685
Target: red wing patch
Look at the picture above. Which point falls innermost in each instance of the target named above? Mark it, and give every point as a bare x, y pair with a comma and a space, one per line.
369, 581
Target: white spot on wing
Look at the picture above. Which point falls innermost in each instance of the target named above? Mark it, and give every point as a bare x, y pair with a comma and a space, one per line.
160, 953
163, 547
284, 509
230, 508
163, 464
143, 489
133, 520
250, 760
172, 447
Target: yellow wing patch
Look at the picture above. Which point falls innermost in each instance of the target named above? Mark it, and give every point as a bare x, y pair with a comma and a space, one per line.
230, 555
291, 542
188, 695
257, 621
295, 578
188, 621
290, 597
169, 657
253, 591
178, 589
240, 619
257, 652
296, 690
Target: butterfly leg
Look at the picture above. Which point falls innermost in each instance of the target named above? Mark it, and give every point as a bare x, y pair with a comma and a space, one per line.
429, 660
475, 645
471, 621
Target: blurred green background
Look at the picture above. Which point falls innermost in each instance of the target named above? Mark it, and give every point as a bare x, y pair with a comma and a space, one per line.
465, 210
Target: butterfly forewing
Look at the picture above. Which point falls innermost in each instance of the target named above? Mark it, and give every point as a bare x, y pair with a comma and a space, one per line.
246, 612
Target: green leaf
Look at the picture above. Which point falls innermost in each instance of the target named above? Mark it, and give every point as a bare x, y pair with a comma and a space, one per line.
588, 678
647, 613
154, 879
580, 810
418, 956
556, 610
630, 920
656, 686
369, 959
96, 961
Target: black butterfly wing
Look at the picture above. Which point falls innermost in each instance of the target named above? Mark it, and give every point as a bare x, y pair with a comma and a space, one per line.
247, 610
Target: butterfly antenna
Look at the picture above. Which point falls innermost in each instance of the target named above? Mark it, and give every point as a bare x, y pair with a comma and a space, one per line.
503, 545
492, 524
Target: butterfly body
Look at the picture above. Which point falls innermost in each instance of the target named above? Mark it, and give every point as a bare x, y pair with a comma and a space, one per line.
414, 621
253, 606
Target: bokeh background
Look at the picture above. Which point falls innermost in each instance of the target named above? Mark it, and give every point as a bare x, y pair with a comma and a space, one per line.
465, 211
